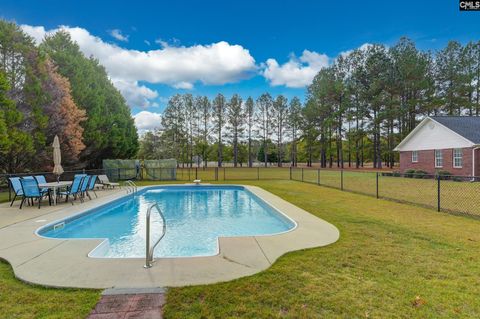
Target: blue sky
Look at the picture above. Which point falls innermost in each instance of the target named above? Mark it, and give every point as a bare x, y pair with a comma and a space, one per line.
155, 49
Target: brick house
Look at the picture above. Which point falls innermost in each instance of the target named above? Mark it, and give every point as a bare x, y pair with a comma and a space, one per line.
447, 143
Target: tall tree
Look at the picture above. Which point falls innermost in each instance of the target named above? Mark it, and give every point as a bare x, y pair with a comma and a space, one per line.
279, 122
204, 109
20, 64
295, 124
65, 117
450, 79
250, 121
93, 91
173, 122
264, 121
15, 144
235, 118
219, 122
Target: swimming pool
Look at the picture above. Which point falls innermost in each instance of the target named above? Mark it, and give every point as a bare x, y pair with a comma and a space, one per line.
195, 217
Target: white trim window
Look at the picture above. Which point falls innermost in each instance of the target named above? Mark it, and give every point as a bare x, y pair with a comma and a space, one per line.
414, 156
438, 158
457, 158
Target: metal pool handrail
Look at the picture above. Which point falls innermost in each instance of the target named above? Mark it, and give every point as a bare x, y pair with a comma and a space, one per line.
131, 186
149, 250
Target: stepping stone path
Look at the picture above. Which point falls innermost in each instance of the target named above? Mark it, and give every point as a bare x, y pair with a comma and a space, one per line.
133, 304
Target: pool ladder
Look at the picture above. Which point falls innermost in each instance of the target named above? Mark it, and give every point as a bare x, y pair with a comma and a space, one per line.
149, 249
131, 187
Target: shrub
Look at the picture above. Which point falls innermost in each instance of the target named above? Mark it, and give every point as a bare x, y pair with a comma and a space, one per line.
420, 174
396, 174
444, 175
409, 173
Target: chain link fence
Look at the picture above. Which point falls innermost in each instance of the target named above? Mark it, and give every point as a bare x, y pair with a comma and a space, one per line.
452, 194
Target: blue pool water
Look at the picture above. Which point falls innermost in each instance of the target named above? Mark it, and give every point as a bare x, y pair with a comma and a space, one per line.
195, 216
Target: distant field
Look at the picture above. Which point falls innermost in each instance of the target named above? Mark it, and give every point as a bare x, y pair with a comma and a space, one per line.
462, 197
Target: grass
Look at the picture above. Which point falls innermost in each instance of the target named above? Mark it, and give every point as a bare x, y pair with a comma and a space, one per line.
19, 300
392, 260
3, 197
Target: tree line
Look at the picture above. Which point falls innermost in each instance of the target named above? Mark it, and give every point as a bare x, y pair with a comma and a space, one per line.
355, 111
53, 89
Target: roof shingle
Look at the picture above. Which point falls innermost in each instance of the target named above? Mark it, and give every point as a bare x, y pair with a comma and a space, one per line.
466, 126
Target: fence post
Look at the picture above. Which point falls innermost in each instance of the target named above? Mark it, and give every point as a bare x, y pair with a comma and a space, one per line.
341, 179
258, 173
302, 174
196, 172
216, 173
318, 176
377, 185
438, 193
224, 173
118, 173
290, 173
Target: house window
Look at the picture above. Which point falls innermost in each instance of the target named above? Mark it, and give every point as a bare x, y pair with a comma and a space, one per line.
438, 158
414, 156
457, 158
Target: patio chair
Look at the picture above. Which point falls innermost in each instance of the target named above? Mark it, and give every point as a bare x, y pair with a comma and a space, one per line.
32, 191
17, 188
84, 187
41, 180
74, 190
105, 182
91, 186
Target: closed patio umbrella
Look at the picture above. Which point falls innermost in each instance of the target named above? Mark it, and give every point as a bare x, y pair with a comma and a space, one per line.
57, 158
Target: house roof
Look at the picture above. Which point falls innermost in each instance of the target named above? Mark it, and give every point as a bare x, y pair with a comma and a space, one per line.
466, 126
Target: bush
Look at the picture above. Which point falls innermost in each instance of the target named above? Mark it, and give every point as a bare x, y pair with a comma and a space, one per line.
409, 173
396, 174
420, 174
444, 175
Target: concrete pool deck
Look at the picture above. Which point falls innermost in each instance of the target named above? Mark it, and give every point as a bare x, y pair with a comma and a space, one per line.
64, 263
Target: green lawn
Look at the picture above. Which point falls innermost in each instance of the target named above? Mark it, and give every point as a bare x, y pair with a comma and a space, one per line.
392, 261
19, 300
3, 197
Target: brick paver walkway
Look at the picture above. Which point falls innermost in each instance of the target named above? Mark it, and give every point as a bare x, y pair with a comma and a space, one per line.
145, 306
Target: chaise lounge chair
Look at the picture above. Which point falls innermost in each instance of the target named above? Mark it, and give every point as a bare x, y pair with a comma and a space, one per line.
105, 182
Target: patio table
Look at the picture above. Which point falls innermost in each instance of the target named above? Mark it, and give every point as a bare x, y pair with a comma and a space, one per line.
54, 186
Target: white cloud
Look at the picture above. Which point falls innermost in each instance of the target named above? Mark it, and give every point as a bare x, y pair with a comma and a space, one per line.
184, 85
297, 72
363, 47
37, 33
135, 94
161, 43
147, 121
180, 67
117, 34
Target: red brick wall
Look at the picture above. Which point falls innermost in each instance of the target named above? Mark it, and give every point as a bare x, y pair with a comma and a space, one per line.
426, 162
477, 162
